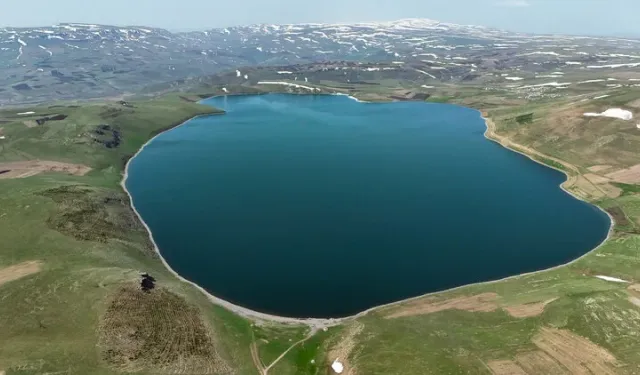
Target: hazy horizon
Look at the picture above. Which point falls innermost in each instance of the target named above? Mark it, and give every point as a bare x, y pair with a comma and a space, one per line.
578, 17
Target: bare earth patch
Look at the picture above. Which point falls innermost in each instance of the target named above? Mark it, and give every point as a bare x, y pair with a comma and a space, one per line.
484, 302
157, 331
599, 168
30, 123
22, 169
539, 362
505, 368
628, 176
528, 309
561, 352
634, 294
634, 300
596, 179
19, 271
610, 190
342, 351
586, 188
634, 287
576, 353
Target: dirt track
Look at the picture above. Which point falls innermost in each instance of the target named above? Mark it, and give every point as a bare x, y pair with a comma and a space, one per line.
255, 356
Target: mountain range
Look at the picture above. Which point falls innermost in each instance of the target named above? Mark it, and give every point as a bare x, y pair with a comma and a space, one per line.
79, 61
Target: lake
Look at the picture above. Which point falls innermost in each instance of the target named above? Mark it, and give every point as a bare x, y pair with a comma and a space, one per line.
321, 206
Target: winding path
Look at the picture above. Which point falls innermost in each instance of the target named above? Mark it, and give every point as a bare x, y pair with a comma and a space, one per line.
255, 355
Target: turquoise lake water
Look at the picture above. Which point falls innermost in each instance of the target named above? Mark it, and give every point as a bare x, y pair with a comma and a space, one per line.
320, 206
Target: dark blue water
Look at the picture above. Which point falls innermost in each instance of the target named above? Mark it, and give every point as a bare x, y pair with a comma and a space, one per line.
320, 206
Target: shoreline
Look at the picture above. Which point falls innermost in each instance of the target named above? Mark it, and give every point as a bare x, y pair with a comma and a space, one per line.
242, 311
321, 323
287, 93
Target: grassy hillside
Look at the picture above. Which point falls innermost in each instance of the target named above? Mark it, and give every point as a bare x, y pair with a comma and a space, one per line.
72, 254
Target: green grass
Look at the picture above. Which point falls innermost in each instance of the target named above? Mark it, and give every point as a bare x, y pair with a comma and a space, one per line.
525, 119
70, 140
549, 162
274, 340
308, 358
462, 342
440, 99
627, 189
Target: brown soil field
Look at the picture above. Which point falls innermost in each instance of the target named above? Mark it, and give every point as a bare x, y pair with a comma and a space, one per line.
484, 302
628, 176
529, 309
561, 352
576, 353
539, 362
586, 188
505, 368
22, 169
158, 331
596, 179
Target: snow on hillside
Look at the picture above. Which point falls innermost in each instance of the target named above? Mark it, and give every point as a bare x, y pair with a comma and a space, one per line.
106, 60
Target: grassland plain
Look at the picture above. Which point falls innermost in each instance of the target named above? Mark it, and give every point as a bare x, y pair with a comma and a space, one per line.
72, 254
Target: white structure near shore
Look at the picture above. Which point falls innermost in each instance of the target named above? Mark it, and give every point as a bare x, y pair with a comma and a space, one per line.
337, 367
